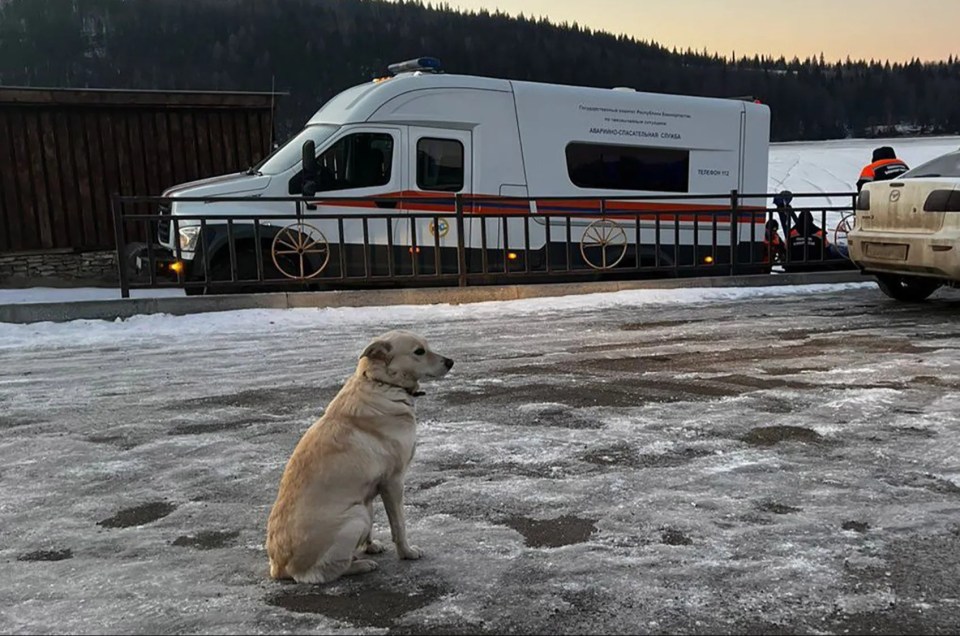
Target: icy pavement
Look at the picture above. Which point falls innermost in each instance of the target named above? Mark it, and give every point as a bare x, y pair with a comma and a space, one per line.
719, 461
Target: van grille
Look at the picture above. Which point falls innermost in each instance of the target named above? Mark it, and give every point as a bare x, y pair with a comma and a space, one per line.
163, 225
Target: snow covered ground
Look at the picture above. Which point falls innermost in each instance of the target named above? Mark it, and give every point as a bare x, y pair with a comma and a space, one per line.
700, 461
777, 460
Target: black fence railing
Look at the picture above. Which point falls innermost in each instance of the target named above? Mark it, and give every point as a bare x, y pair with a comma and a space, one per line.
227, 244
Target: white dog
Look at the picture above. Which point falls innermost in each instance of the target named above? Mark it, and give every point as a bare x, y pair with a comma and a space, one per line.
359, 449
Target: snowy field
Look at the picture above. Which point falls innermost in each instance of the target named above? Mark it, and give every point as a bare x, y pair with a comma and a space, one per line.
776, 460
802, 167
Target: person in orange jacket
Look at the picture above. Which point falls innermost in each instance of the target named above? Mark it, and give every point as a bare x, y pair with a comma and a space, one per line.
883, 167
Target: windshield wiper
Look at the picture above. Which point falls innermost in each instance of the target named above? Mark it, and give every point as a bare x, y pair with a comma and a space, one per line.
251, 171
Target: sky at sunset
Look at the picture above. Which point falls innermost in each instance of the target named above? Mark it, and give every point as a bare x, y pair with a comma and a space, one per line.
894, 30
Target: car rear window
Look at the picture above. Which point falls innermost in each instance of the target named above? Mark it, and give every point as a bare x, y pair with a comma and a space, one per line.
947, 165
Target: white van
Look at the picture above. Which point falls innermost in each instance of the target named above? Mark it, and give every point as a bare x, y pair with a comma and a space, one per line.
428, 135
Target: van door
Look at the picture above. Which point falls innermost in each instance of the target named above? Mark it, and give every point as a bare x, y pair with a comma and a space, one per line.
441, 166
360, 162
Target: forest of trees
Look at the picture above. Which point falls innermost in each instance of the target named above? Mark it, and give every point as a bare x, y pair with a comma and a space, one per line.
313, 49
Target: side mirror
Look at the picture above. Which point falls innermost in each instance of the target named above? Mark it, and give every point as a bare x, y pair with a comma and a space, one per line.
309, 168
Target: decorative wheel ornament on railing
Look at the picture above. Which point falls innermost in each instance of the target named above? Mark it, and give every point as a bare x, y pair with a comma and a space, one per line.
604, 244
843, 229
297, 248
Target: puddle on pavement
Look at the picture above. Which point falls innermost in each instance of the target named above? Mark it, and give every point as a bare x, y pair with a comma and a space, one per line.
362, 605
778, 508
855, 526
47, 555
552, 533
672, 536
138, 515
622, 454
771, 435
207, 539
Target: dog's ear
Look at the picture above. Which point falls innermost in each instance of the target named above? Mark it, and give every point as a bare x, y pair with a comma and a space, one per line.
378, 350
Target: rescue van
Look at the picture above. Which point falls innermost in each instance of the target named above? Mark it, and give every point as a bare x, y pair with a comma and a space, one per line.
410, 142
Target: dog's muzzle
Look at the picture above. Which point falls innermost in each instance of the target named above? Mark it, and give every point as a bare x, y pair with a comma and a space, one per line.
448, 363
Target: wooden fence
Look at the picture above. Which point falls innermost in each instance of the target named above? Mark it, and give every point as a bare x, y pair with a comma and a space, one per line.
64, 152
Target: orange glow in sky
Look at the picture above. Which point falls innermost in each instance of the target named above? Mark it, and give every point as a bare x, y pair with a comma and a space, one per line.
894, 30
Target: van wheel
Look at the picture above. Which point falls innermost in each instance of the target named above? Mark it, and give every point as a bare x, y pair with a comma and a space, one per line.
911, 289
247, 270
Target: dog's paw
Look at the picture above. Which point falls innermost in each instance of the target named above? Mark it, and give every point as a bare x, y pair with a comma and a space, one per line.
410, 552
362, 566
374, 547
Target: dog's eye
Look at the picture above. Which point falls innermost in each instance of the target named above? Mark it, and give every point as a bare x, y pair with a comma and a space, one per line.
420, 351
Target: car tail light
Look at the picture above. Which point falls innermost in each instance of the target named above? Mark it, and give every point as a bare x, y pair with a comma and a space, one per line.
942, 201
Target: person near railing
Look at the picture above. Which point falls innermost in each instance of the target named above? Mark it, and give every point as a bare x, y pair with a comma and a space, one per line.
805, 236
883, 166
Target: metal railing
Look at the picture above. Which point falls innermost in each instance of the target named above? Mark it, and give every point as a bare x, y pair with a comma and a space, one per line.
293, 243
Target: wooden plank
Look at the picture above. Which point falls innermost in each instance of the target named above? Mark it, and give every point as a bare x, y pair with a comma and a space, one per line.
60, 231
86, 208
10, 211
257, 147
266, 131
138, 179
238, 121
26, 204
217, 142
109, 155
41, 200
190, 146
69, 190
150, 154
121, 148
137, 156
98, 178
229, 143
164, 151
175, 132
202, 131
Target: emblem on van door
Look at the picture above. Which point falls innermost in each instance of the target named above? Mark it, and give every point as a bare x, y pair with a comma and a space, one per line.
894, 196
439, 227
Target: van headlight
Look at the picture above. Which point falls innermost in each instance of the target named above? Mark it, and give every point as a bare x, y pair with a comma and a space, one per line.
188, 237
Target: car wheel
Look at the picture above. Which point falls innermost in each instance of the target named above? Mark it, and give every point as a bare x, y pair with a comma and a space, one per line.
907, 288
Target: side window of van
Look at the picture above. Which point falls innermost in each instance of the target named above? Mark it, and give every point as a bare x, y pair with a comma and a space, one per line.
439, 164
610, 167
360, 160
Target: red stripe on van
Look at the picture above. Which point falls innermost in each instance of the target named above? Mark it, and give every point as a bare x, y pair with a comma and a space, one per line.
493, 205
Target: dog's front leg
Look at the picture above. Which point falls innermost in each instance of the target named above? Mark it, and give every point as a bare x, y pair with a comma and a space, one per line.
392, 494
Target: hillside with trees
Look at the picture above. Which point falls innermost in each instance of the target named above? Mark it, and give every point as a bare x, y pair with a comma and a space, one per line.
313, 49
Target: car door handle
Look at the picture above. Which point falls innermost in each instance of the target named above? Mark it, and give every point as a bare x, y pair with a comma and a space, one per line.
381, 203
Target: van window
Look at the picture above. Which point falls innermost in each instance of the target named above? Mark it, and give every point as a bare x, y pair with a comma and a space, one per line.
289, 154
439, 164
609, 167
360, 160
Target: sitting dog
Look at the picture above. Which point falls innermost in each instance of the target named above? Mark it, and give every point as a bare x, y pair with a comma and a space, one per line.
360, 448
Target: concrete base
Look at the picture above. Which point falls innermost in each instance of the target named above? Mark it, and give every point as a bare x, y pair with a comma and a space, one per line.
124, 308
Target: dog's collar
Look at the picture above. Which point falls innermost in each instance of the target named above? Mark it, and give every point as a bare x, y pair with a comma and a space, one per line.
397, 386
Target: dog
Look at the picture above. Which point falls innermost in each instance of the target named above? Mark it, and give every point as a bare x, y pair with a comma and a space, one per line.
322, 519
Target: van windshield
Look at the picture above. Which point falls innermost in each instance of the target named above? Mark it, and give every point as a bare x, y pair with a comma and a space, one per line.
289, 154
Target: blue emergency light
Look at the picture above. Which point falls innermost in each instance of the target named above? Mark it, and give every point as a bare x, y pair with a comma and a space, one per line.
425, 64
